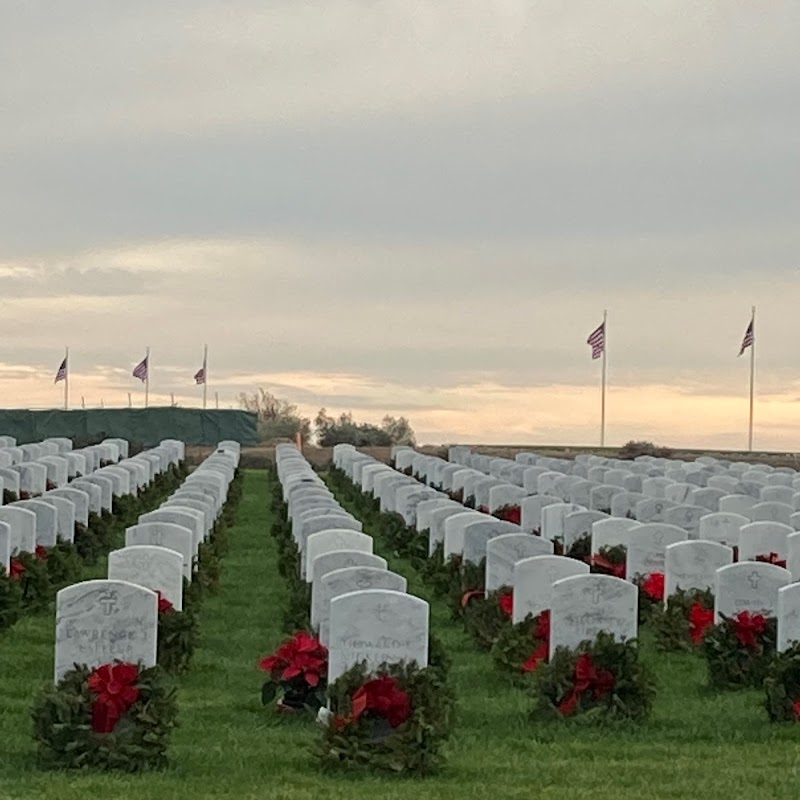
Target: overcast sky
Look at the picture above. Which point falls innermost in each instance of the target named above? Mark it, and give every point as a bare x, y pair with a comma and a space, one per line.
409, 207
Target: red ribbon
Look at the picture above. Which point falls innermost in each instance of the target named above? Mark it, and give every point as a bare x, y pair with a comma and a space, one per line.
587, 678
617, 570
772, 558
470, 596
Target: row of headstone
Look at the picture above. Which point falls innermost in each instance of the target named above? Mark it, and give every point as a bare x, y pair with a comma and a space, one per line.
54, 515
99, 621
581, 604
359, 609
29, 470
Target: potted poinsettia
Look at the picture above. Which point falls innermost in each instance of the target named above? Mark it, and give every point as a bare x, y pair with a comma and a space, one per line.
298, 672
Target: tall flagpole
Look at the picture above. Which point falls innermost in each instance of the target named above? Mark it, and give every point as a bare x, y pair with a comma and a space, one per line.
205, 375
752, 380
147, 378
603, 399
66, 381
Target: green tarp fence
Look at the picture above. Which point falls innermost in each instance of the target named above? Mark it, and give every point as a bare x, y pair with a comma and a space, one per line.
142, 426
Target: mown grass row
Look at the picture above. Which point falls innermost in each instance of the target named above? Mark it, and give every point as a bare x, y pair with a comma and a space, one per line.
696, 745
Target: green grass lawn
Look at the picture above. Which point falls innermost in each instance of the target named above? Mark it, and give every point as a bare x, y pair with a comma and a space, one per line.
697, 744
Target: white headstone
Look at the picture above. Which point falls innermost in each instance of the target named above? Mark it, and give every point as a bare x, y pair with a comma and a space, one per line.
748, 586
646, 546
330, 541
100, 621
503, 552
343, 581
155, 568
693, 565
533, 578
763, 538
586, 605
377, 626
169, 535
788, 616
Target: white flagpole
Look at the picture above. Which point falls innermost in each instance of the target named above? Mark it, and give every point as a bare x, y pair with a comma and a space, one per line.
147, 379
205, 375
66, 381
752, 380
603, 398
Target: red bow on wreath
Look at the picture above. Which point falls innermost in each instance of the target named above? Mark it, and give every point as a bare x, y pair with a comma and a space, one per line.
16, 569
506, 603
772, 558
383, 697
653, 586
748, 627
588, 678
700, 619
617, 570
164, 605
115, 689
542, 634
41, 552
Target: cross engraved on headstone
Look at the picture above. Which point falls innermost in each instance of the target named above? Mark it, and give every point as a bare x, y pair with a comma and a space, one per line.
381, 612
109, 603
754, 579
597, 595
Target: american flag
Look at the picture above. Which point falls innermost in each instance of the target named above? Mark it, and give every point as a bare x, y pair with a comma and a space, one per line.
61, 375
140, 370
597, 339
200, 375
749, 337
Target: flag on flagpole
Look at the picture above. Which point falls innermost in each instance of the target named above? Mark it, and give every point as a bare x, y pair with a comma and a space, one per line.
749, 337
200, 376
61, 375
597, 339
140, 370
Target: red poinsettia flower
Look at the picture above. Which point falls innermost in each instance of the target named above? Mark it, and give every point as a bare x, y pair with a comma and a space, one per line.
16, 569
748, 627
41, 552
383, 697
114, 686
164, 605
303, 656
653, 586
506, 603
700, 619
772, 558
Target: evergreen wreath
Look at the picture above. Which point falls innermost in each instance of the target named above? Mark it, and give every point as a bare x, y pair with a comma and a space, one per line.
10, 600
116, 717
738, 650
393, 720
782, 686
598, 681
177, 636
523, 647
485, 616
682, 624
